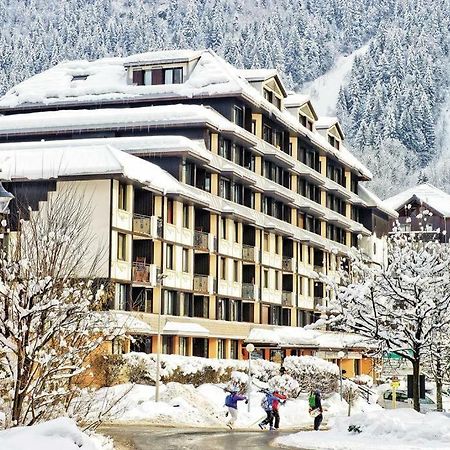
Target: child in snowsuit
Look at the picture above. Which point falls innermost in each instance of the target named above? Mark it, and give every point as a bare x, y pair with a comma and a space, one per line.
267, 405
315, 408
276, 408
231, 403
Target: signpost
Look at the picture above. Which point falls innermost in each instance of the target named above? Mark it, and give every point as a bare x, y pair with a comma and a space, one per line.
395, 384
250, 348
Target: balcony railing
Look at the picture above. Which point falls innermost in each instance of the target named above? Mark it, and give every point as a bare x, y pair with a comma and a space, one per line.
286, 298
288, 264
147, 225
201, 284
249, 291
145, 273
201, 240
249, 253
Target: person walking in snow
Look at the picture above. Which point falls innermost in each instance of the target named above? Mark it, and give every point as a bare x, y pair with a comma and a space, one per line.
315, 408
231, 401
267, 405
278, 399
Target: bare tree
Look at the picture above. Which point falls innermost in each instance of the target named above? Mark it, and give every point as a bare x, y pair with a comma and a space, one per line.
50, 318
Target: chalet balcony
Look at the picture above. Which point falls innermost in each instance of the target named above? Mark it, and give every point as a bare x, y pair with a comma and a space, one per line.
203, 284
288, 264
148, 226
249, 291
286, 298
201, 241
145, 274
249, 253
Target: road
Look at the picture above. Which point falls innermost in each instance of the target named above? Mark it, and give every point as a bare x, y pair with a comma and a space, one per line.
147, 437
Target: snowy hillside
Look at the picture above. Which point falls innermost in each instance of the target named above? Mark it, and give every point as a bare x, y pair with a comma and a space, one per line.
389, 96
324, 90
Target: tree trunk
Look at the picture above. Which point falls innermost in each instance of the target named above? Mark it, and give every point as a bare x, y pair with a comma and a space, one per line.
438, 379
416, 384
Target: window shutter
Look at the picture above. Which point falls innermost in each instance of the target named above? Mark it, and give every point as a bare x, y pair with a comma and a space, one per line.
157, 76
138, 77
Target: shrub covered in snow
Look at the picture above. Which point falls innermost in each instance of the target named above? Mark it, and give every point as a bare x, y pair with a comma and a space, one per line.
312, 373
285, 384
194, 370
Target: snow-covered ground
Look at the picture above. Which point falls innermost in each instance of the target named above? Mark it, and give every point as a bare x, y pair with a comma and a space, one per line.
403, 429
59, 434
324, 90
185, 405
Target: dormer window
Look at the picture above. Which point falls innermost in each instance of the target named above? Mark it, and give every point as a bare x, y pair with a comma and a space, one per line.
333, 142
153, 77
79, 77
268, 95
306, 122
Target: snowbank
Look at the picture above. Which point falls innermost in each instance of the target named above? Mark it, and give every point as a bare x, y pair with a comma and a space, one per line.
387, 429
58, 434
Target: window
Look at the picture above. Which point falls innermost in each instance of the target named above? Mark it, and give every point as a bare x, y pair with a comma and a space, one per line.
236, 271
254, 127
235, 311
238, 116
185, 216
169, 211
234, 354
188, 309
122, 197
183, 345
222, 309
225, 188
266, 242
277, 280
169, 256
223, 268
167, 345
169, 303
225, 149
236, 231
221, 348
277, 101
300, 285
267, 134
267, 95
185, 260
223, 228
189, 173
277, 245
121, 296
266, 278
117, 346
173, 75
121, 246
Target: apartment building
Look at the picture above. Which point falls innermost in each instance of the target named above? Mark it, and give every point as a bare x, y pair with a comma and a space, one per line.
223, 197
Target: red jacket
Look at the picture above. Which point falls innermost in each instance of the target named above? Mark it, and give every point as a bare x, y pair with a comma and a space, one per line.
276, 402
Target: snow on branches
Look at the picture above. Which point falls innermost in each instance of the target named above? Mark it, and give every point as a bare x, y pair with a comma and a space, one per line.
402, 305
48, 326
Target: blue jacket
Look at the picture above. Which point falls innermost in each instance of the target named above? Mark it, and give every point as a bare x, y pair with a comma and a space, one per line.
234, 399
270, 399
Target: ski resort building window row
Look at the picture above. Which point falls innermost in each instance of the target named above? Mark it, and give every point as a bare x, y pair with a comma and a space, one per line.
220, 204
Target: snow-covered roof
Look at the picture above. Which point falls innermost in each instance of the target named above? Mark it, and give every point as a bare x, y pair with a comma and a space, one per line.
258, 74
54, 162
163, 56
296, 100
374, 201
325, 123
185, 329
128, 323
106, 81
115, 117
424, 193
297, 336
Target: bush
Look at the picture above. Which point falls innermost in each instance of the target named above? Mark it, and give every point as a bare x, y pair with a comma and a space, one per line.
312, 373
286, 385
114, 369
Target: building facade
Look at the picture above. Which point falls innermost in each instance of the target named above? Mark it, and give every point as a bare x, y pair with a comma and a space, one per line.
221, 197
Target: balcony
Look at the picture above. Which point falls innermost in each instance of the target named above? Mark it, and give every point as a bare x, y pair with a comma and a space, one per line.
249, 253
145, 274
288, 264
149, 226
286, 298
201, 241
203, 284
249, 291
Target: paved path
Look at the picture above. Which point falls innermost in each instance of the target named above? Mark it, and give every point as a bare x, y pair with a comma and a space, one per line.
147, 437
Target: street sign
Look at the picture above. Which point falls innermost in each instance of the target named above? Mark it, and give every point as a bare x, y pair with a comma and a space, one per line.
395, 384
